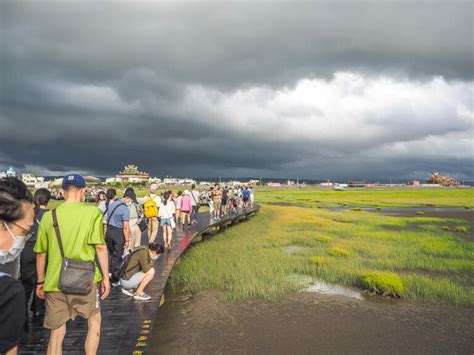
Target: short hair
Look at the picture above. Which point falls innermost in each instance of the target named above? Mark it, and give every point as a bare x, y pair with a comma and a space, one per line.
155, 247
41, 197
13, 193
110, 193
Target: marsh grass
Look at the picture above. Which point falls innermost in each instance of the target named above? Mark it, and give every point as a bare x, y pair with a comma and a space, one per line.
383, 197
385, 283
337, 251
318, 260
344, 247
462, 229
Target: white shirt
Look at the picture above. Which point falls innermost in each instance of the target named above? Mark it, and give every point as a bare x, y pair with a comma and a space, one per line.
178, 202
194, 197
173, 206
166, 211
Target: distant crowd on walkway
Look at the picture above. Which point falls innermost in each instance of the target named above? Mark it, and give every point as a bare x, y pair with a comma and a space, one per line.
62, 263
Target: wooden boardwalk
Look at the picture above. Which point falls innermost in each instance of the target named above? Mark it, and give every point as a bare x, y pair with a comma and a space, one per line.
127, 325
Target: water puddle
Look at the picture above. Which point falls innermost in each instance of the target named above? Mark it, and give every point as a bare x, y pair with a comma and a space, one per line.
332, 289
309, 284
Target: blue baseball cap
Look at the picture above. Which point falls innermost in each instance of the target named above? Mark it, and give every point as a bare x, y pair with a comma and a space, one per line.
73, 180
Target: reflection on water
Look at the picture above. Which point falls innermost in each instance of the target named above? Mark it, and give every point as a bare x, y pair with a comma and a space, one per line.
332, 289
309, 284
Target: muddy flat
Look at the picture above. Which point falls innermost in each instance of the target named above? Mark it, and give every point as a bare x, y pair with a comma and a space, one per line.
309, 323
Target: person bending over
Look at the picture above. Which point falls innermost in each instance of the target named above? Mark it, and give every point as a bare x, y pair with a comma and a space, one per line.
139, 272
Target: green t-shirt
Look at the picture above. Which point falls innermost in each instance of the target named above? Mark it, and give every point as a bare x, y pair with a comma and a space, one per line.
81, 228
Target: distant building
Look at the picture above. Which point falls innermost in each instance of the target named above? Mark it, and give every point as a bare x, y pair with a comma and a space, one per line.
113, 180
274, 184
169, 181
356, 183
155, 180
11, 172
326, 184
414, 183
131, 174
92, 179
33, 181
437, 178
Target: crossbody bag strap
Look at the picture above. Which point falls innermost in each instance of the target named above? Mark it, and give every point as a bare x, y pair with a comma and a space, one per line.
58, 237
110, 216
193, 197
57, 232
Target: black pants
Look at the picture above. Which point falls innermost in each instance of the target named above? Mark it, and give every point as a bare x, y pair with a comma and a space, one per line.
115, 244
12, 313
28, 278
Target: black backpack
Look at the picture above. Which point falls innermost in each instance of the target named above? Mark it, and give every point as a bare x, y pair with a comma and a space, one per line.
122, 267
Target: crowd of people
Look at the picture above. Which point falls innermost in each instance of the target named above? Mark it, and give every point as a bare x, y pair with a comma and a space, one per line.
62, 263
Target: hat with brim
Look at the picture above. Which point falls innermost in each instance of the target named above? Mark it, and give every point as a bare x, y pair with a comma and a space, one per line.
73, 180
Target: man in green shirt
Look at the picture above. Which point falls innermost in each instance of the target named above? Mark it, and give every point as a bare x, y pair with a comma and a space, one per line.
82, 236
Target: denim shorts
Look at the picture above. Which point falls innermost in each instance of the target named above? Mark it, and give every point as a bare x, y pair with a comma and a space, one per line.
133, 282
165, 222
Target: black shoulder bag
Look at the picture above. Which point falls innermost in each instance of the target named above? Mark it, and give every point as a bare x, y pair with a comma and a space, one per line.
77, 276
142, 224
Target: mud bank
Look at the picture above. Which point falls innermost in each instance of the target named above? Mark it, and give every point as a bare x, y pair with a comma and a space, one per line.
310, 323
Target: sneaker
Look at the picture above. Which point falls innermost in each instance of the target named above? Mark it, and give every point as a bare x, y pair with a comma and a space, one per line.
115, 284
143, 297
128, 292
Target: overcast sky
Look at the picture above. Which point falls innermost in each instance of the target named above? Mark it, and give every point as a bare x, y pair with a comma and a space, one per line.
317, 90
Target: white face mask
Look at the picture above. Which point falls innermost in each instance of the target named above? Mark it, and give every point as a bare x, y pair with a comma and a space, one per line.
154, 257
15, 249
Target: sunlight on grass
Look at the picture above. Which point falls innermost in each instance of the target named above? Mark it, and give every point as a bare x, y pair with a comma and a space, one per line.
256, 259
385, 197
385, 283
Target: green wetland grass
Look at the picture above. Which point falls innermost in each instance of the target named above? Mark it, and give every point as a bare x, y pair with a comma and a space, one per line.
381, 254
380, 197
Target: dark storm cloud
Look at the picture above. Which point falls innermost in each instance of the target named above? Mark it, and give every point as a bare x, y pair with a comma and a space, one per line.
188, 89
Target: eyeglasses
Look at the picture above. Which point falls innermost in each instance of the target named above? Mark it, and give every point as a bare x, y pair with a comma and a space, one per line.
26, 231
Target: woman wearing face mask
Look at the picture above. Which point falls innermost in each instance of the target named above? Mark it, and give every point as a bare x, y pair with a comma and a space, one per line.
16, 221
28, 276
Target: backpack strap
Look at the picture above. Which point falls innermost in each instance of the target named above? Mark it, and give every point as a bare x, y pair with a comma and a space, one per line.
120, 204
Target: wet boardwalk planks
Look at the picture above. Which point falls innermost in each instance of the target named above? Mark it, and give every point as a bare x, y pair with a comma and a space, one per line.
127, 324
